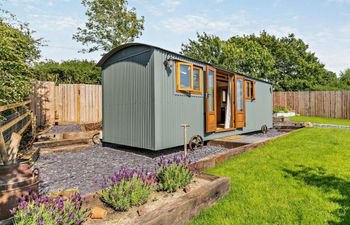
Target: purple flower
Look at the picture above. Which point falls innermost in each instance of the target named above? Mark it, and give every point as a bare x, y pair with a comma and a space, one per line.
71, 216
23, 204
59, 220
13, 211
41, 222
51, 212
78, 221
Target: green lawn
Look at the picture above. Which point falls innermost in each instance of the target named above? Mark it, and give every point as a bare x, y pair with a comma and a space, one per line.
303, 178
323, 120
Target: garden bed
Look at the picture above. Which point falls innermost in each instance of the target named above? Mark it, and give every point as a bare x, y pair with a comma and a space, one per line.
86, 168
168, 208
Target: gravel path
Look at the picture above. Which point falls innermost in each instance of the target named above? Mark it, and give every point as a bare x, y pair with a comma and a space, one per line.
270, 134
85, 169
64, 128
331, 126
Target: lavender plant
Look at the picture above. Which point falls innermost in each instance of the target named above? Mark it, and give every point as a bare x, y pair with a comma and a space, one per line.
33, 209
173, 174
127, 188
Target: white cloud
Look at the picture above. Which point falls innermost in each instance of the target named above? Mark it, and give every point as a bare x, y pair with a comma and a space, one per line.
54, 23
170, 5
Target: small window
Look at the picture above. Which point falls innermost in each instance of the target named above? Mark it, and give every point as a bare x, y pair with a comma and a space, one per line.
197, 80
188, 78
249, 89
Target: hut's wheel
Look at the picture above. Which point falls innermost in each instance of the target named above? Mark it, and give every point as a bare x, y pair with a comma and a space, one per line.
96, 139
195, 142
264, 129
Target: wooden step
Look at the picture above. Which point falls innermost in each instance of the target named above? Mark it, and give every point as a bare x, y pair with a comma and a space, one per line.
66, 135
61, 142
61, 149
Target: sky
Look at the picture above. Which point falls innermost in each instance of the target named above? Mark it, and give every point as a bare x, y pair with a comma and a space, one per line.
323, 24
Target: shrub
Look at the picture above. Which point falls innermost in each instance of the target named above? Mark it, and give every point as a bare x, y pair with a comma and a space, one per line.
33, 209
282, 110
127, 188
173, 174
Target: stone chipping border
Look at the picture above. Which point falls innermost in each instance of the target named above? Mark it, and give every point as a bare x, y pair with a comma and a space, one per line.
85, 169
330, 126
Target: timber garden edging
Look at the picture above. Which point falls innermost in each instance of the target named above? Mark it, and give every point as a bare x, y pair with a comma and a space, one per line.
171, 208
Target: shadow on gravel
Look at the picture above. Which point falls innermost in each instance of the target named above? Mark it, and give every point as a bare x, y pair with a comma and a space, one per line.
318, 177
144, 152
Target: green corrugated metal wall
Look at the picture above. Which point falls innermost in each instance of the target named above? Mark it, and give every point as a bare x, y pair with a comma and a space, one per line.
142, 109
128, 98
173, 109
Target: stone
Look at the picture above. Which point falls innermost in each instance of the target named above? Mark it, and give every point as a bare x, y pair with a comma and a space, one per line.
187, 188
98, 213
141, 210
308, 124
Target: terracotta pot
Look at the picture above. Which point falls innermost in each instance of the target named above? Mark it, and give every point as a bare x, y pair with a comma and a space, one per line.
15, 180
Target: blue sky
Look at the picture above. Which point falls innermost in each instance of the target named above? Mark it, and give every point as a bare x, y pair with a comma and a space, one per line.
323, 24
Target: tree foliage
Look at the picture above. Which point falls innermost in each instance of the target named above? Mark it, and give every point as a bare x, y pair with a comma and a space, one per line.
286, 62
68, 72
18, 49
345, 77
110, 24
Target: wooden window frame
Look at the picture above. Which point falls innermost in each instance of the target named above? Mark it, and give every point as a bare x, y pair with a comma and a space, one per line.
200, 91
251, 90
178, 78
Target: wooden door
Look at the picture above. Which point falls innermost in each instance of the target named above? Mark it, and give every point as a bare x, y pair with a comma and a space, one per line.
240, 101
233, 101
210, 99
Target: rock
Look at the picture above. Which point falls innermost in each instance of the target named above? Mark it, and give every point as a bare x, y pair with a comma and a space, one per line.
187, 188
98, 213
308, 124
141, 210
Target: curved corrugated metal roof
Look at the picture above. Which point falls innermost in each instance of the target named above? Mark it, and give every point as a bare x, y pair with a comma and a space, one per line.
121, 47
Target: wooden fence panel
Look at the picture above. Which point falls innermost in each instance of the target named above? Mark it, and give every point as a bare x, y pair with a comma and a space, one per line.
67, 103
333, 104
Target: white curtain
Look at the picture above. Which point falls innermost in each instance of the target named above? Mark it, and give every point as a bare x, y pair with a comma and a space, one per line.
228, 112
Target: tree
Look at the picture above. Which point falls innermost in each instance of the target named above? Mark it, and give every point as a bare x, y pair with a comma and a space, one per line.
109, 25
18, 49
68, 72
345, 77
237, 54
286, 62
208, 48
248, 57
298, 68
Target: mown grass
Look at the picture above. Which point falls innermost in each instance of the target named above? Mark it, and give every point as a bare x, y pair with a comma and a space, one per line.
322, 120
303, 178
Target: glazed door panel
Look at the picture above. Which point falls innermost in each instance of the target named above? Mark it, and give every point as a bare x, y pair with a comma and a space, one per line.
210, 99
240, 101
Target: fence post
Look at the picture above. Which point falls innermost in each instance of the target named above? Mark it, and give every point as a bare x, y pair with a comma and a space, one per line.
78, 105
3, 152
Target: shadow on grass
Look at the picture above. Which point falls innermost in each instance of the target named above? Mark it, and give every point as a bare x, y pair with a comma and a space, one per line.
327, 182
